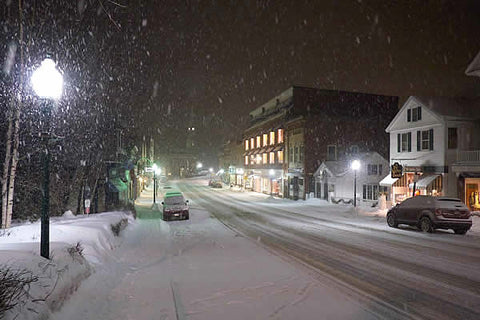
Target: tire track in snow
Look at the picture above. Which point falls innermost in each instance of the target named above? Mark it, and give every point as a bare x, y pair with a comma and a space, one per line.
409, 293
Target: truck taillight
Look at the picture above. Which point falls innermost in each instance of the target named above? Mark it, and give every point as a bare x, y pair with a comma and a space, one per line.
438, 212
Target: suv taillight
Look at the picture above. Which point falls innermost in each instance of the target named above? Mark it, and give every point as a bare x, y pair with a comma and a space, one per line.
438, 212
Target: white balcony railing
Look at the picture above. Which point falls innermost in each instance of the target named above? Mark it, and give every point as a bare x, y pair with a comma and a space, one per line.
468, 156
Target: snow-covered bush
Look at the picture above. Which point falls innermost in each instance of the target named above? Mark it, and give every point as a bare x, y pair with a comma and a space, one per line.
14, 286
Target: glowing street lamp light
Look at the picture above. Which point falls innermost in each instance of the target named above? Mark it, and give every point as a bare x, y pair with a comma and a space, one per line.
210, 170
199, 165
47, 82
355, 166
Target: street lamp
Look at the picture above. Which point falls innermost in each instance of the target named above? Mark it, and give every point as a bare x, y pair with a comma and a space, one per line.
47, 82
272, 173
156, 170
199, 165
355, 166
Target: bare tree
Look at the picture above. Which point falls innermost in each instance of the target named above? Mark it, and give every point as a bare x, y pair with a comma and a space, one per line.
6, 167
11, 158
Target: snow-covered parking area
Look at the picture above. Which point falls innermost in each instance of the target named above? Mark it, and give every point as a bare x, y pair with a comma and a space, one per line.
77, 245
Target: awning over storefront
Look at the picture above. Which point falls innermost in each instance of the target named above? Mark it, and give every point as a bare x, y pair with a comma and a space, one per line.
423, 183
278, 148
388, 181
116, 185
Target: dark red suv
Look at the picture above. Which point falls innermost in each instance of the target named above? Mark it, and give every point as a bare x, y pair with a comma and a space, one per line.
429, 213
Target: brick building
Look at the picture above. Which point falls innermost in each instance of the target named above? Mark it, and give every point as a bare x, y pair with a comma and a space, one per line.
293, 133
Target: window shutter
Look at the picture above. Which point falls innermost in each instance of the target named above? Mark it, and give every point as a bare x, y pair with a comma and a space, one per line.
419, 141
398, 142
409, 142
431, 139
409, 115
419, 111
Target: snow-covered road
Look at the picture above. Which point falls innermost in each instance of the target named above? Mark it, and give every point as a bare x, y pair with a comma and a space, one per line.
393, 273
248, 256
200, 269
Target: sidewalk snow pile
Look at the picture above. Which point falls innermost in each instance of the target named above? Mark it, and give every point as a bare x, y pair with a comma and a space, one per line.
39, 286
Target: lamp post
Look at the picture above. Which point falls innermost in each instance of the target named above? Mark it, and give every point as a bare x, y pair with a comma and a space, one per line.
355, 166
47, 82
155, 169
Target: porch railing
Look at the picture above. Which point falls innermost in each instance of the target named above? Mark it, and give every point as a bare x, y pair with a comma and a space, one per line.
468, 156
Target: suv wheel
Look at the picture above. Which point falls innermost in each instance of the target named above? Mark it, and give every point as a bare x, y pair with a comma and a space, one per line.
426, 225
392, 223
460, 231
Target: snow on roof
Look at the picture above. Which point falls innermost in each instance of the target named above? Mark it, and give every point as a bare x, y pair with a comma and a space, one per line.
341, 167
460, 107
473, 68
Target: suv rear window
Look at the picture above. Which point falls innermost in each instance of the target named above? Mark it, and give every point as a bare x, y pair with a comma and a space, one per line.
450, 200
174, 200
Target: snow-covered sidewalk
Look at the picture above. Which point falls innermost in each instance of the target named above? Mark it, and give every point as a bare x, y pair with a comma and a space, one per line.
77, 244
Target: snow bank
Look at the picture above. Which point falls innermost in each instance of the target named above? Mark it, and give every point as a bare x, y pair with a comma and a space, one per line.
76, 244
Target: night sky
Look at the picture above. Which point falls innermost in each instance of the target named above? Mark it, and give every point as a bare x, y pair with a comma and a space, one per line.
224, 58
162, 63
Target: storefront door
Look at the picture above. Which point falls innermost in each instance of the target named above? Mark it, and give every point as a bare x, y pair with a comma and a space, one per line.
472, 198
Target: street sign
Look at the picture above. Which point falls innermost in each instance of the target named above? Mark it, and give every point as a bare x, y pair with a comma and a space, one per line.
86, 199
148, 169
87, 206
396, 171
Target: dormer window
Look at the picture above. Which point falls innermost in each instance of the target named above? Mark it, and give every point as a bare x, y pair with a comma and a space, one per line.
414, 114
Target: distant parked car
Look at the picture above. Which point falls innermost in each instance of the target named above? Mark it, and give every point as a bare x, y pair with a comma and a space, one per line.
429, 213
175, 206
215, 184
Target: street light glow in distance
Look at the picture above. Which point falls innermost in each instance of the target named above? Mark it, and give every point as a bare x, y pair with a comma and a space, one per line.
47, 81
355, 165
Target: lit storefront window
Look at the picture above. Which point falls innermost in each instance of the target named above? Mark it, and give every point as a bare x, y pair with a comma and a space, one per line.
265, 158
246, 144
271, 157
272, 137
265, 139
280, 135
259, 141
280, 156
252, 143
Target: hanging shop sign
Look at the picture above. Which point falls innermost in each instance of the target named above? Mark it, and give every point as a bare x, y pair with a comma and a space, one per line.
396, 171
